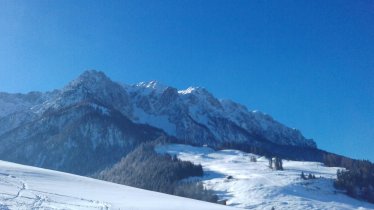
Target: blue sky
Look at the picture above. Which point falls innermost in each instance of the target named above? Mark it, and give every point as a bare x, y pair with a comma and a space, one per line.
309, 64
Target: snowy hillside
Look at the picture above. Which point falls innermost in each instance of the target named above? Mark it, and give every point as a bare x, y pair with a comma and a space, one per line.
254, 186
24, 187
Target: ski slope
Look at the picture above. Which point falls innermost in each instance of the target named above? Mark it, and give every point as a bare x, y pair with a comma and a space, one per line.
255, 186
25, 187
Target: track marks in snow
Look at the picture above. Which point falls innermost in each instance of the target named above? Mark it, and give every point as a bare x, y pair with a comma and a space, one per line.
19, 196
75, 201
38, 201
20, 185
49, 190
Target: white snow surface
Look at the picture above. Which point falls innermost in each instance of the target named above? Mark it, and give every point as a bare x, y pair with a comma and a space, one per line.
25, 187
255, 186
189, 90
161, 122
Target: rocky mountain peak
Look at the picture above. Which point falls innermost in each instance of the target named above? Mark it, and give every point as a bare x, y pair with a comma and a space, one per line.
194, 90
91, 86
89, 79
151, 86
93, 74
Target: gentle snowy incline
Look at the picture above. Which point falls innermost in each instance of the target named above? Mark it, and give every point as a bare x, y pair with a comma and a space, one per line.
255, 186
25, 187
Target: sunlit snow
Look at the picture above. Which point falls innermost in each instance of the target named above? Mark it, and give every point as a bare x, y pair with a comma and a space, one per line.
255, 186
25, 187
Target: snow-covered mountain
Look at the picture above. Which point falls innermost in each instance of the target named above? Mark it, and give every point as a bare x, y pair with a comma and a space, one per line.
193, 114
24, 187
93, 122
95, 117
196, 115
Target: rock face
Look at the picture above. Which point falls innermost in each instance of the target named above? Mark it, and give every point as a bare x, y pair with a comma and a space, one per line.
196, 116
95, 120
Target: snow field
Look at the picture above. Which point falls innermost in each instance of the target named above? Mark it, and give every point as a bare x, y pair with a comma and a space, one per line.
255, 186
24, 187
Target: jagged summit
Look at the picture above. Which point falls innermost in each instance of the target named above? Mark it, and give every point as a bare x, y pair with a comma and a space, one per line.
193, 114
191, 90
89, 79
93, 74
187, 91
153, 84
92, 87
92, 78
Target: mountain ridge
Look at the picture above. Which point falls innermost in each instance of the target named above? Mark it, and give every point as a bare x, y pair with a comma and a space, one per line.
179, 111
92, 116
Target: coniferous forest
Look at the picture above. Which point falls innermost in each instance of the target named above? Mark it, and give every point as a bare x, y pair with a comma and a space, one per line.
358, 178
144, 168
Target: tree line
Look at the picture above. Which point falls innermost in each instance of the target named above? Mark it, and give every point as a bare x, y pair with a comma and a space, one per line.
358, 178
144, 168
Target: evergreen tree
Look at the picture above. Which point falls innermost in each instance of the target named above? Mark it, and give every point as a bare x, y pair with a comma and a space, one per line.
303, 175
253, 159
278, 163
270, 161
310, 176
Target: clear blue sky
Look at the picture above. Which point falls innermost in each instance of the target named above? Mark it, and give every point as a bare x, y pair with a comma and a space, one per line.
309, 64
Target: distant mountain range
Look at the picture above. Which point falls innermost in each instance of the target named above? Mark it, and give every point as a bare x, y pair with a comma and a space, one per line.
92, 122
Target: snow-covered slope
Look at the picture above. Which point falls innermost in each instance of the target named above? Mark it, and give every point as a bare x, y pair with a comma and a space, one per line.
255, 186
25, 187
